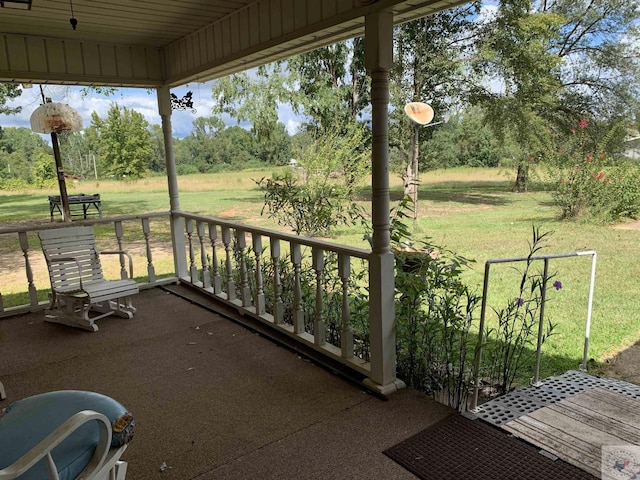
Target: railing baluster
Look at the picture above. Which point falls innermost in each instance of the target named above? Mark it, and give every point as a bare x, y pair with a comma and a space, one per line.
319, 326
215, 265
146, 230
228, 250
257, 250
206, 275
241, 246
278, 306
1, 303
193, 269
298, 311
346, 334
119, 233
24, 245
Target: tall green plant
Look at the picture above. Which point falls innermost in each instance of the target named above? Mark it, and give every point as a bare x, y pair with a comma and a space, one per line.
434, 315
512, 343
320, 195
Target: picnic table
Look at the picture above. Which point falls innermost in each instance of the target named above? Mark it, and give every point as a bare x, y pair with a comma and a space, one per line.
80, 205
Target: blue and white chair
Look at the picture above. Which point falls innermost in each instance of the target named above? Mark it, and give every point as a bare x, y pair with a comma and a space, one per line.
64, 435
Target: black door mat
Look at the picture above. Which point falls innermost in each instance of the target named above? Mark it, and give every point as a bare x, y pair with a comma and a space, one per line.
458, 448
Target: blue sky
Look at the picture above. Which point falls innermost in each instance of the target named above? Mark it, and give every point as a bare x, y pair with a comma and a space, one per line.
141, 100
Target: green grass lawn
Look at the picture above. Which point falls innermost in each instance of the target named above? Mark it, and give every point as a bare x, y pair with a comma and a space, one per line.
470, 211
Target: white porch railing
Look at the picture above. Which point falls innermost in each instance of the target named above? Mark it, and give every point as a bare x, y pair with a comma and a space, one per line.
314, 292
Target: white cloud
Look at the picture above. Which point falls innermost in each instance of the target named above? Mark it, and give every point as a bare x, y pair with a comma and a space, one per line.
292, 126
488, 11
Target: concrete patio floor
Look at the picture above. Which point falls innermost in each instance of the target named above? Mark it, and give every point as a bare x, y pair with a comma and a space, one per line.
213, 399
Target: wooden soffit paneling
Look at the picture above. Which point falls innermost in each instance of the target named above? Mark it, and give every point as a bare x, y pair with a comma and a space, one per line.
25, 59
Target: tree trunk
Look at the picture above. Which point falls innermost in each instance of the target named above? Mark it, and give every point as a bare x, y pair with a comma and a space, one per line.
522, 177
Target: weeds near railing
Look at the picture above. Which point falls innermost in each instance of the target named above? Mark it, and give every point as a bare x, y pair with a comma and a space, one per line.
331, 293
434, 316
436, 322
437, 325
511, 345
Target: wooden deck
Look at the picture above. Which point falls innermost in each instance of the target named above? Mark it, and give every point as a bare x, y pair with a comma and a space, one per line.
576, 428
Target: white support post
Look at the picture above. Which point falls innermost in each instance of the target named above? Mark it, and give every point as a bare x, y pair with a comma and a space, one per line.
379, 59
177, 222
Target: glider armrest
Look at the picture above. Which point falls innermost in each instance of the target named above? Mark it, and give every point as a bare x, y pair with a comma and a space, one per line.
121, 252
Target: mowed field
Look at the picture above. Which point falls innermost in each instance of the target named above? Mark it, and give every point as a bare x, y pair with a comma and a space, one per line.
470, 211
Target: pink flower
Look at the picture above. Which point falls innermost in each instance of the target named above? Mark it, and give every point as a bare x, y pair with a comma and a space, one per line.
562, 180
601, 155
600, 175
532, 159
589, 157
607, 180
583, 123
573, 130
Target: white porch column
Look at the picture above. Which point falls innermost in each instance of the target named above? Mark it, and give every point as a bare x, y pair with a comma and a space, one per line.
379, 60
177, 223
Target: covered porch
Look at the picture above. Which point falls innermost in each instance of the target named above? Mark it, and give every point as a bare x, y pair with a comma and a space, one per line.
213, 399
161, 45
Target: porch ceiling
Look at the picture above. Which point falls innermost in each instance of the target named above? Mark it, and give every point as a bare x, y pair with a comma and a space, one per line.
171, 42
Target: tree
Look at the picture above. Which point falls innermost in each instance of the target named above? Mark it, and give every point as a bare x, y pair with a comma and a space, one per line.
558, 61
464, 140
234, 147
9, 91
19, 148
516, 50
198, 147
158, 162
322, 194
428, 68
599, 45
44, 171
277, 149
331, 84
253, 99
79, 153
124, 143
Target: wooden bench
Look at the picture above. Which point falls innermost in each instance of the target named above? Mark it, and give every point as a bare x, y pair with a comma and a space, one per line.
78, 286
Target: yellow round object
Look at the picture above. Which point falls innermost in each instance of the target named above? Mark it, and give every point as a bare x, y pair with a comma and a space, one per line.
419, 112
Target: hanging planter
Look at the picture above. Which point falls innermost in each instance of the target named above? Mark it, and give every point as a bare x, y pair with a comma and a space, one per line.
55, 118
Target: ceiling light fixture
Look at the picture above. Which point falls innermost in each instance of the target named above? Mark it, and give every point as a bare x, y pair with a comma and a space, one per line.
16, 4
72, 20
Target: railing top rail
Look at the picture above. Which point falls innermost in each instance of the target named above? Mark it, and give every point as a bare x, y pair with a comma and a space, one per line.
540, 257
352, 251
97, 221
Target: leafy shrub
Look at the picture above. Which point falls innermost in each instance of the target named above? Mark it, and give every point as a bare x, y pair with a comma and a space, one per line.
589, 184
320, 195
